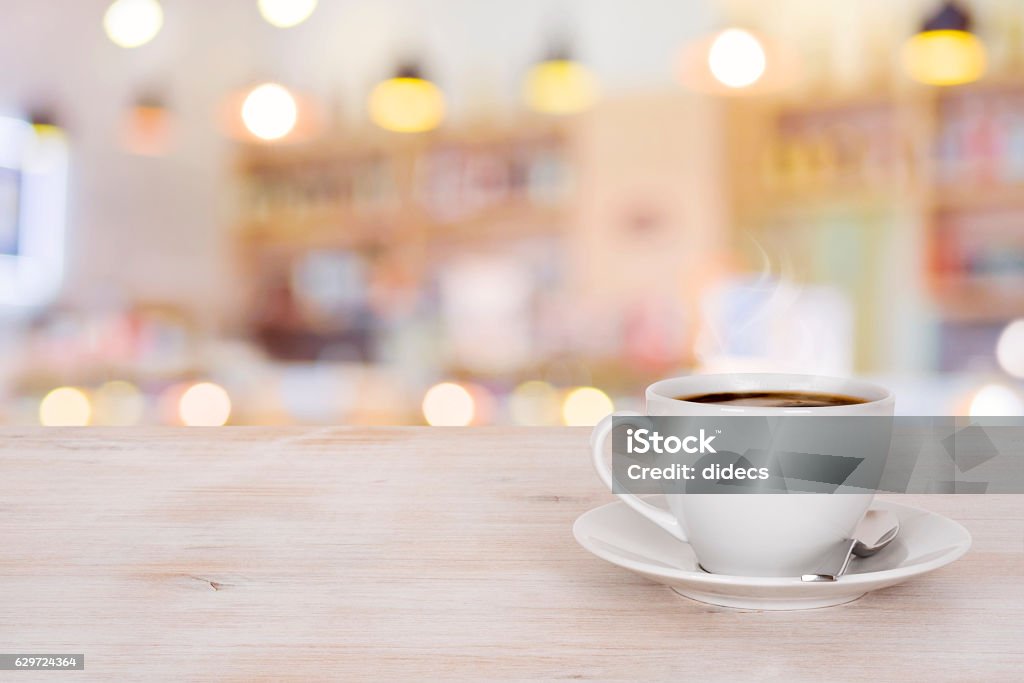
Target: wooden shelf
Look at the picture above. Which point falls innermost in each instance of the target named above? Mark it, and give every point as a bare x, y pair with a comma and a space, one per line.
979, 298
980, 197
787, 172
376, 197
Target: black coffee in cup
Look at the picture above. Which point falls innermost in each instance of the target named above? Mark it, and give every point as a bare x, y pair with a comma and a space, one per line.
774, 399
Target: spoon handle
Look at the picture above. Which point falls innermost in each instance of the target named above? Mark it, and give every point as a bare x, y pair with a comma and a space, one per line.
834, 564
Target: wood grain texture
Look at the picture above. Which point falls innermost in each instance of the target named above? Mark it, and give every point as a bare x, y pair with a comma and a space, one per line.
241, 554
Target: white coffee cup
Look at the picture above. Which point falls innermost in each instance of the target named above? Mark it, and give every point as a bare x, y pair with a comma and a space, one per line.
754, 534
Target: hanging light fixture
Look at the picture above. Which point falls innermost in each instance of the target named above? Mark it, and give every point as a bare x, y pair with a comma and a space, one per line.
44, 123
560, 85
286, 13
132, 23
407, 103
945, 52
147, 127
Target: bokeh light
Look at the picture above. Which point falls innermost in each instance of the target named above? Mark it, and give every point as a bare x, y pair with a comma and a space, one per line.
270, 112
585, 406
996, 400
118, 403
407, 105
204, 405
534, 403
448, 405
1010, 349
560, 86
65, 407
736, 58
286, 13
944, 57
131, 23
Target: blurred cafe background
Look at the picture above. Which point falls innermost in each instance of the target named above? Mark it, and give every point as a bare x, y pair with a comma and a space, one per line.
459, 212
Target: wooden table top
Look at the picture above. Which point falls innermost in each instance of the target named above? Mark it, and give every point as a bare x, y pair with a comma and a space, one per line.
423, 554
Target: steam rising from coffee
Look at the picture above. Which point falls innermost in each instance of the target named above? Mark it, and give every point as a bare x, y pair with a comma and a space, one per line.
770, 322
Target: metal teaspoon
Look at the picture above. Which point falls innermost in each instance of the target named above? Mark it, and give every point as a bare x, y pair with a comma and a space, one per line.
875, 530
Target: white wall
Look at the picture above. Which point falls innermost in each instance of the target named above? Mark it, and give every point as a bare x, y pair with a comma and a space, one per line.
157, 229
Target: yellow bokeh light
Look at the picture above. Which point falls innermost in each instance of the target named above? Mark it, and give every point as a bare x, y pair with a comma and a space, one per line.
270, 112
736, 58
560, 86
286, 13
131, 23
944, 57
996, 400
534, 403
65, 407
585, 406
407, 105
204, 405
448, 405
118, 403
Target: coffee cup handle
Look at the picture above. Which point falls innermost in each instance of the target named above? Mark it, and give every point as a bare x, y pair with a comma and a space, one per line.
663, 518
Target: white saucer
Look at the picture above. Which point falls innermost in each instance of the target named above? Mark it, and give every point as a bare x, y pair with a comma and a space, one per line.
616, 533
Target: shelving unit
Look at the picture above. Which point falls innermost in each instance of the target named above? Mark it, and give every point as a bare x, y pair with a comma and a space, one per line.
977, 217
327, 228
935, 172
